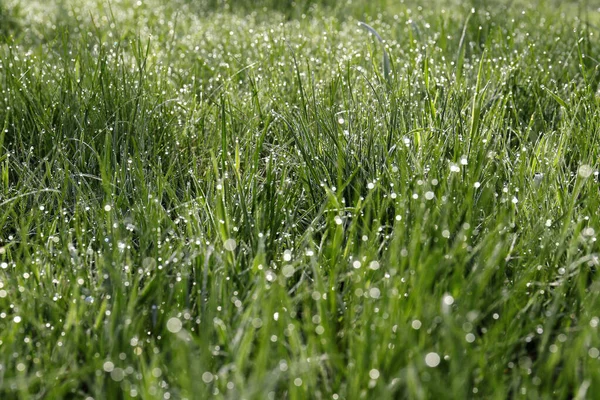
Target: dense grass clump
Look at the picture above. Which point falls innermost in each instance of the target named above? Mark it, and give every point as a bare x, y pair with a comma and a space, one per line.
207, 200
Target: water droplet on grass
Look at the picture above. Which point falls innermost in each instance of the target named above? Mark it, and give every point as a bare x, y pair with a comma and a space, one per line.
374, 374
287, 255
448, 300
585, 171
230, 245
108, 366
117, 374
174, 325
270, 275
207, 377
432, 360
287, 271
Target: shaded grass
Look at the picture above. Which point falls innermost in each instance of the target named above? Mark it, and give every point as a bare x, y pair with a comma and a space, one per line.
240, 206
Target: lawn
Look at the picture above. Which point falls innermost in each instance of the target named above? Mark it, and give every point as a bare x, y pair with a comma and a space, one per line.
213, 199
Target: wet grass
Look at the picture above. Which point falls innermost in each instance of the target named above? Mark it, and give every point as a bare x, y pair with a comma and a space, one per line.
222, 202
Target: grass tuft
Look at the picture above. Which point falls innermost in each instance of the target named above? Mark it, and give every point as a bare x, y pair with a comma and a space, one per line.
215, 199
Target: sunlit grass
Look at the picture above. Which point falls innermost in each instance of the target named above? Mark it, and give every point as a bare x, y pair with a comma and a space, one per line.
208, 200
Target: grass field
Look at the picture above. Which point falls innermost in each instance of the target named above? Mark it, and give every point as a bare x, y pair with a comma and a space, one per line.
209, 199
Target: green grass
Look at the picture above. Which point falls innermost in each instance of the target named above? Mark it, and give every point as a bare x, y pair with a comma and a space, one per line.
200, 199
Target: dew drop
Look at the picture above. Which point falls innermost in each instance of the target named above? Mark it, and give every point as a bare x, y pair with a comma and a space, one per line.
432, 360
117, 374
374, 293
174, 325
374, 374
108, 366
448, 300
207, 377
585, 171
230, 244
374, 265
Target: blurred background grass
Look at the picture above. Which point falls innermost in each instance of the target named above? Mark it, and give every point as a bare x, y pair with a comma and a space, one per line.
142, 136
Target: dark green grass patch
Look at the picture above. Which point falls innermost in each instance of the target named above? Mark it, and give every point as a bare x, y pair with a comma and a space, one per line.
211, 202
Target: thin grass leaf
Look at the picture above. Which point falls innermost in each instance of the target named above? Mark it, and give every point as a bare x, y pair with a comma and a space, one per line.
386, 60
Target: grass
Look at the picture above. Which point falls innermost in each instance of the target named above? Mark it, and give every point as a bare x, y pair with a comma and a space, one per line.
205, 200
